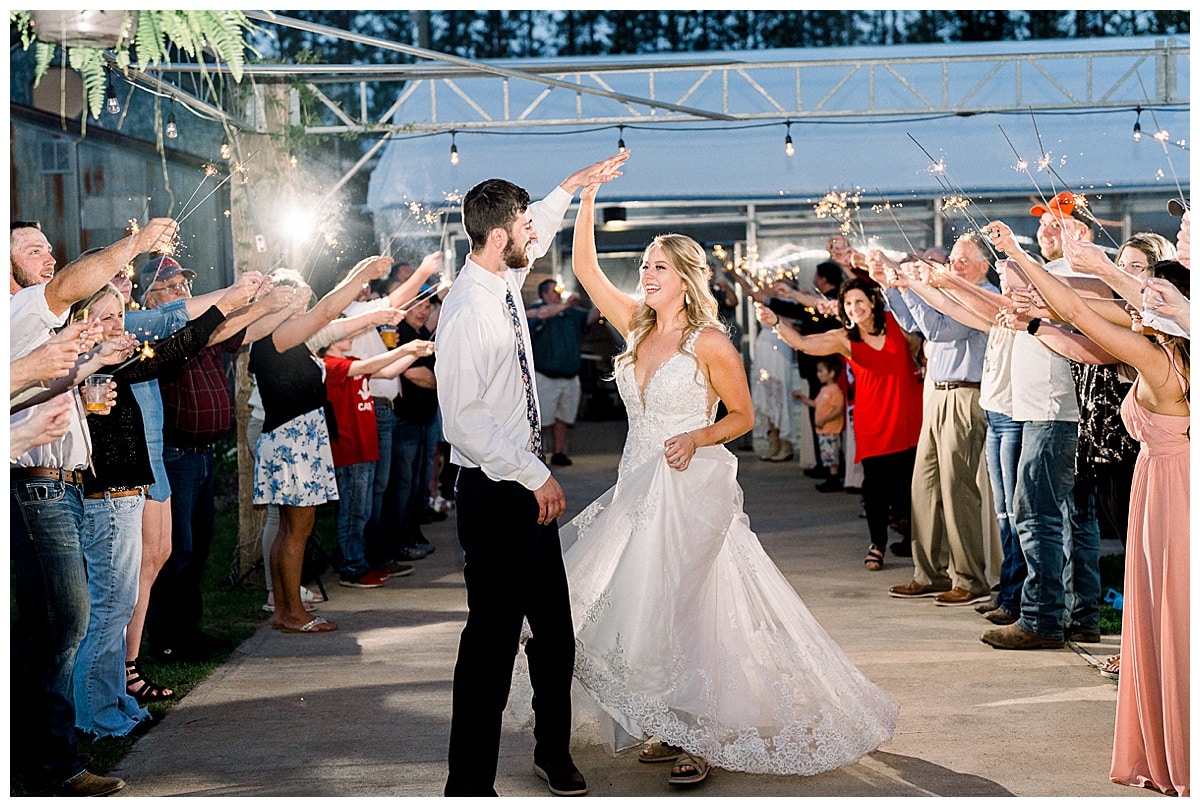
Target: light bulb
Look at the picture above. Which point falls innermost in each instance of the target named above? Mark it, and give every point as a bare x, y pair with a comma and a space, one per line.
453, 154
788, 148
621, 140
1137, 127
113, 105
226, 151
172, 129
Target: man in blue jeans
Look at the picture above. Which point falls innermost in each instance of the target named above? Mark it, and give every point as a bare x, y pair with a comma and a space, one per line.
1045, 403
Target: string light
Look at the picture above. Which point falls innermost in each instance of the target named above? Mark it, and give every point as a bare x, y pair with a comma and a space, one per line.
621, 139
226, 150
172, 129
293, 161
788, 148
110, 98
453, 150
1137, 127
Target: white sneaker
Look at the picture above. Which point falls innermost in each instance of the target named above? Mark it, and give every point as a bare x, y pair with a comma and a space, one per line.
309, 596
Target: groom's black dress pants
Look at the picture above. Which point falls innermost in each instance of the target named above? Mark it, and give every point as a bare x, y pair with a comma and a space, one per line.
514, 571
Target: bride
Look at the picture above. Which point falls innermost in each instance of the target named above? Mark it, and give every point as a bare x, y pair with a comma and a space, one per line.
685, 629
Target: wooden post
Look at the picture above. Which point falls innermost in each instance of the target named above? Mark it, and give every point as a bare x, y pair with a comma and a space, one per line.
265, 178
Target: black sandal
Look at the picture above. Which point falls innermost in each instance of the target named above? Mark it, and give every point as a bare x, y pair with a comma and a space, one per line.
874, 559
141, 688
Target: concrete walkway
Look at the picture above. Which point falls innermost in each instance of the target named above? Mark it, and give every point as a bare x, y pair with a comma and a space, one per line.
365, 711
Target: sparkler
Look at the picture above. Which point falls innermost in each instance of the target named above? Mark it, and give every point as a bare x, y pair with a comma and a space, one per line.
425, 295
146, 351
209, 171
238, 168
958, 198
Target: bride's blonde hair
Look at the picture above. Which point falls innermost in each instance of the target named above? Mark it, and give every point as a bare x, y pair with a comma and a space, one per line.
687, 258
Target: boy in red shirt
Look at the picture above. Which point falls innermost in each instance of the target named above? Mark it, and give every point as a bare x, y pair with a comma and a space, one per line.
355, 446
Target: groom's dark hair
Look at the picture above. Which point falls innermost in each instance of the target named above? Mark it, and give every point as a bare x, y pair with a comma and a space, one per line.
490, 204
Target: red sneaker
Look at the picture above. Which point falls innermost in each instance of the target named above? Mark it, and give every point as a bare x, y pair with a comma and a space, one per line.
368, 580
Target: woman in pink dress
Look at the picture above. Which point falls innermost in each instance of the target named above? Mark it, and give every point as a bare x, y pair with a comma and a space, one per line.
1151, 747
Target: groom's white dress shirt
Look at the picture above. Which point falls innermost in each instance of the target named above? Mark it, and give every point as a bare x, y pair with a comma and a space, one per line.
479, 383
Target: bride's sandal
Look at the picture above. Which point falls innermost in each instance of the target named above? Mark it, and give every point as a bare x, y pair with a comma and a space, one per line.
658, 751
688, 770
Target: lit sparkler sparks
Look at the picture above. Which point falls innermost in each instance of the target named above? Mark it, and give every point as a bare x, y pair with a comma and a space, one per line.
839, 206
146, 351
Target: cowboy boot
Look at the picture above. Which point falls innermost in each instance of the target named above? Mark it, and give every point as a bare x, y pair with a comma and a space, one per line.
783, 454
772, 444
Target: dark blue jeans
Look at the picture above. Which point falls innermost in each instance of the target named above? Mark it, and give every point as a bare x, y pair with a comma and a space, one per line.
1081, 571
1045, 482
353, 509
1003, 452
176, 603
406, 492
46, 524
385, 423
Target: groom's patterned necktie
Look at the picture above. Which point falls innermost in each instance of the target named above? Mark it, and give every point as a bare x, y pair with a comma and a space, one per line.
531, 410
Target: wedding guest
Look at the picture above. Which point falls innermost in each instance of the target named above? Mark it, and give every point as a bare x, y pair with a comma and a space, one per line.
829, 415
1044, 402
947, 526
293, 460
355, 446
1151, 746
114, 491
887, 409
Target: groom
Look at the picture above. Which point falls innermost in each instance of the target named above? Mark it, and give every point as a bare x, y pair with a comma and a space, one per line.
508, 502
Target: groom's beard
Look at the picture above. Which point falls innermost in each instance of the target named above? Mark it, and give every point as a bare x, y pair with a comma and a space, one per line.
514, 258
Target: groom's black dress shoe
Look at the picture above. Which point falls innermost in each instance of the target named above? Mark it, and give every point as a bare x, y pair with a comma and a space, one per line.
564, 778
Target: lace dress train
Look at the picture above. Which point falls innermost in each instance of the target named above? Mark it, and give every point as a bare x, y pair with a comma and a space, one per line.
685, 628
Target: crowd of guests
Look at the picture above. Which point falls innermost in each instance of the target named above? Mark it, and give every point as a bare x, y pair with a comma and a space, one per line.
980, 397
1055, 388
119, 394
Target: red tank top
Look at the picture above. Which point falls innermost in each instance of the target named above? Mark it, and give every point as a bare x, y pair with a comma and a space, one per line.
887, 395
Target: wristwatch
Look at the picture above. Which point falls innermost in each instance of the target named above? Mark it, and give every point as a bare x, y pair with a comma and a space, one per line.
1033, 326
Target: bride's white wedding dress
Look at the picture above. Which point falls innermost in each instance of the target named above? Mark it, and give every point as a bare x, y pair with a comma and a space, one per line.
685, 629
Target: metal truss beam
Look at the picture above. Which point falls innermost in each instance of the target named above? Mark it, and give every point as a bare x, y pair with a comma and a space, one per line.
445, 92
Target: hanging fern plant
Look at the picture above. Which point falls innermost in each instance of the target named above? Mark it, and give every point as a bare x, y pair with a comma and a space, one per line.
155, 34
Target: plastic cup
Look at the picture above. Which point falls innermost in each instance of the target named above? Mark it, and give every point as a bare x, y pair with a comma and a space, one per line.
389, 336
95, 392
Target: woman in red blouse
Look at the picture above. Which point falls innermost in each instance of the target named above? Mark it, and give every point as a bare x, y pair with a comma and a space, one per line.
887, 409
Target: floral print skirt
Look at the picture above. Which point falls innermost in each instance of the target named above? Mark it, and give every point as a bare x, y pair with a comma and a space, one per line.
293, 463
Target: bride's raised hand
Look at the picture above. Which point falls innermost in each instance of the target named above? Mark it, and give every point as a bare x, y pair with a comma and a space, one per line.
679, 450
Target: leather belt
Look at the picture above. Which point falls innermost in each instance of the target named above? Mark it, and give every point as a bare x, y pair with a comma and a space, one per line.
383, 402
39, 472
191, 449
116, 493
956, 385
